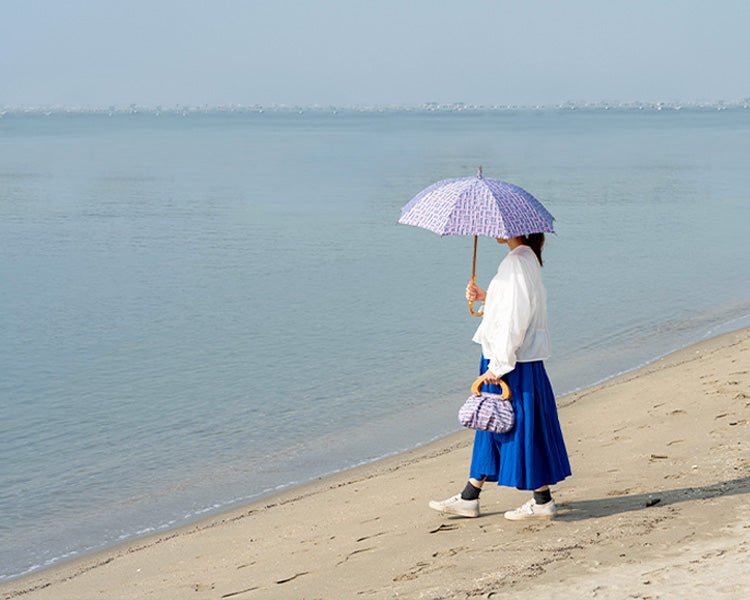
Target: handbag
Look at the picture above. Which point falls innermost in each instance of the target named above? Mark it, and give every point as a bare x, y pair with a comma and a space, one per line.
488, 412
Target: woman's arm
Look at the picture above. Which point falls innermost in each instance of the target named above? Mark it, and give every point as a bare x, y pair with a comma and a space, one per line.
491, 378
474, 293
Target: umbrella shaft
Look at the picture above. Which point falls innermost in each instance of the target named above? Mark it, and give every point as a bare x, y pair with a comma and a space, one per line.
473, 277
474, 261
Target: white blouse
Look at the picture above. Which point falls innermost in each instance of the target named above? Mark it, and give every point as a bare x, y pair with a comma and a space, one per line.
514, 326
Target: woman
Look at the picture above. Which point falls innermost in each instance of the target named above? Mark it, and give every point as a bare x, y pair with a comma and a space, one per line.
514, 338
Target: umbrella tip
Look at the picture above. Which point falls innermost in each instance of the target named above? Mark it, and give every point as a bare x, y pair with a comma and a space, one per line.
479, 173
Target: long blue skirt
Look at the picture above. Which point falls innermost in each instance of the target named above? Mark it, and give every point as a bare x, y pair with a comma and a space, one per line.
533, 454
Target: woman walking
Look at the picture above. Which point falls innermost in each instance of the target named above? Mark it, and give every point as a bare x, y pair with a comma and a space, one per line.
514, 339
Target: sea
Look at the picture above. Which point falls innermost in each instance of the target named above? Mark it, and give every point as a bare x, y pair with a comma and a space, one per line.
202, 307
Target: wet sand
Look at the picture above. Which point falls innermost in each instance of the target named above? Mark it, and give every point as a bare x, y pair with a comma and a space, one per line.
656, 508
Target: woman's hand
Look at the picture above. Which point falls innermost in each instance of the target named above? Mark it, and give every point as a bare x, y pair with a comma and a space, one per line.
474, 293
490, 378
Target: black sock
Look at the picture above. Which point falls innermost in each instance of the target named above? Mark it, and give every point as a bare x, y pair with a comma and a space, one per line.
470, 492
542, 497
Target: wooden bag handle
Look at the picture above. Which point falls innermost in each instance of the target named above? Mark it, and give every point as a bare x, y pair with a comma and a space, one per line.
476, 387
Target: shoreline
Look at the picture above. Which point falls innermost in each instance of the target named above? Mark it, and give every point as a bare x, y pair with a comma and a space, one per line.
432, 471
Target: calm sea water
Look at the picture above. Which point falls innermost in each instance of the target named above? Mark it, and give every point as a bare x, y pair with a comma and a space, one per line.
197, 311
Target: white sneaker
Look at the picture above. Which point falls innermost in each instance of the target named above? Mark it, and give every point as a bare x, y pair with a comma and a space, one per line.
532, 510
456, 506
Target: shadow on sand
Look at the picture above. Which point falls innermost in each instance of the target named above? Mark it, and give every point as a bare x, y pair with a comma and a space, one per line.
577, 510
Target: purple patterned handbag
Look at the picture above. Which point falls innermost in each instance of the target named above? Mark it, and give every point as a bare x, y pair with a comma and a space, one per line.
488, 412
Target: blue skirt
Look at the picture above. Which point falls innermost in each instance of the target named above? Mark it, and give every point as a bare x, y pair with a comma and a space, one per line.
533, 454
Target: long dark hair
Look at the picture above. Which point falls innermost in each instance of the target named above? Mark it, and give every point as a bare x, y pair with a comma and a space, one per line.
535, 241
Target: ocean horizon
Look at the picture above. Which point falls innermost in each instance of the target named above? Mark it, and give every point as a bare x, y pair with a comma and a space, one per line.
199, 312
192, 110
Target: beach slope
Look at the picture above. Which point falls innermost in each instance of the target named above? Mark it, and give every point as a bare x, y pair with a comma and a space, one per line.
656, 508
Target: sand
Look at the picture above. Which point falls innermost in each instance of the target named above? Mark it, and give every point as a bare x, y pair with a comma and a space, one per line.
657, 508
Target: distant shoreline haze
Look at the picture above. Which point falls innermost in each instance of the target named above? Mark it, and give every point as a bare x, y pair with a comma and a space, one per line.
742, 103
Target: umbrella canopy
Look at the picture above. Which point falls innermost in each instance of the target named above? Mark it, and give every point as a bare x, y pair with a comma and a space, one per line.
477, 206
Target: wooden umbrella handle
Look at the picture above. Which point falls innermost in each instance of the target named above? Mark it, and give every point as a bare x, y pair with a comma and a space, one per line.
471, 309
476, 387
471, 304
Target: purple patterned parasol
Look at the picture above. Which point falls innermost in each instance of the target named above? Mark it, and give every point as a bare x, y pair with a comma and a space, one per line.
477, 206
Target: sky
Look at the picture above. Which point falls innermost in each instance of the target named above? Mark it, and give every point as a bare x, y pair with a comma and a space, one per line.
98, 53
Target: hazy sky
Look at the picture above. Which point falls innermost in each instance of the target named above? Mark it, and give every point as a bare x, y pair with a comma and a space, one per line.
101, 52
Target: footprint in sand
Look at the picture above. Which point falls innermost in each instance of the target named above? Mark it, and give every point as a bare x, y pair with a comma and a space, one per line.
421, 568
348, 556
624, 492
367, 537
450, 552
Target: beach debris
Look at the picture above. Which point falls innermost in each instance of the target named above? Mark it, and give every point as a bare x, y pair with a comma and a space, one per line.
444, 527
232, 594
652, 502
367, 537
658, 456
288, 579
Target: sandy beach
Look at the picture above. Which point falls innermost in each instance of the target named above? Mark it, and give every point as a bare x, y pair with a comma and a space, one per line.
656, 508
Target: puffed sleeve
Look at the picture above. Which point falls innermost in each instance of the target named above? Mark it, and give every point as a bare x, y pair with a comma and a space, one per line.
507, 315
